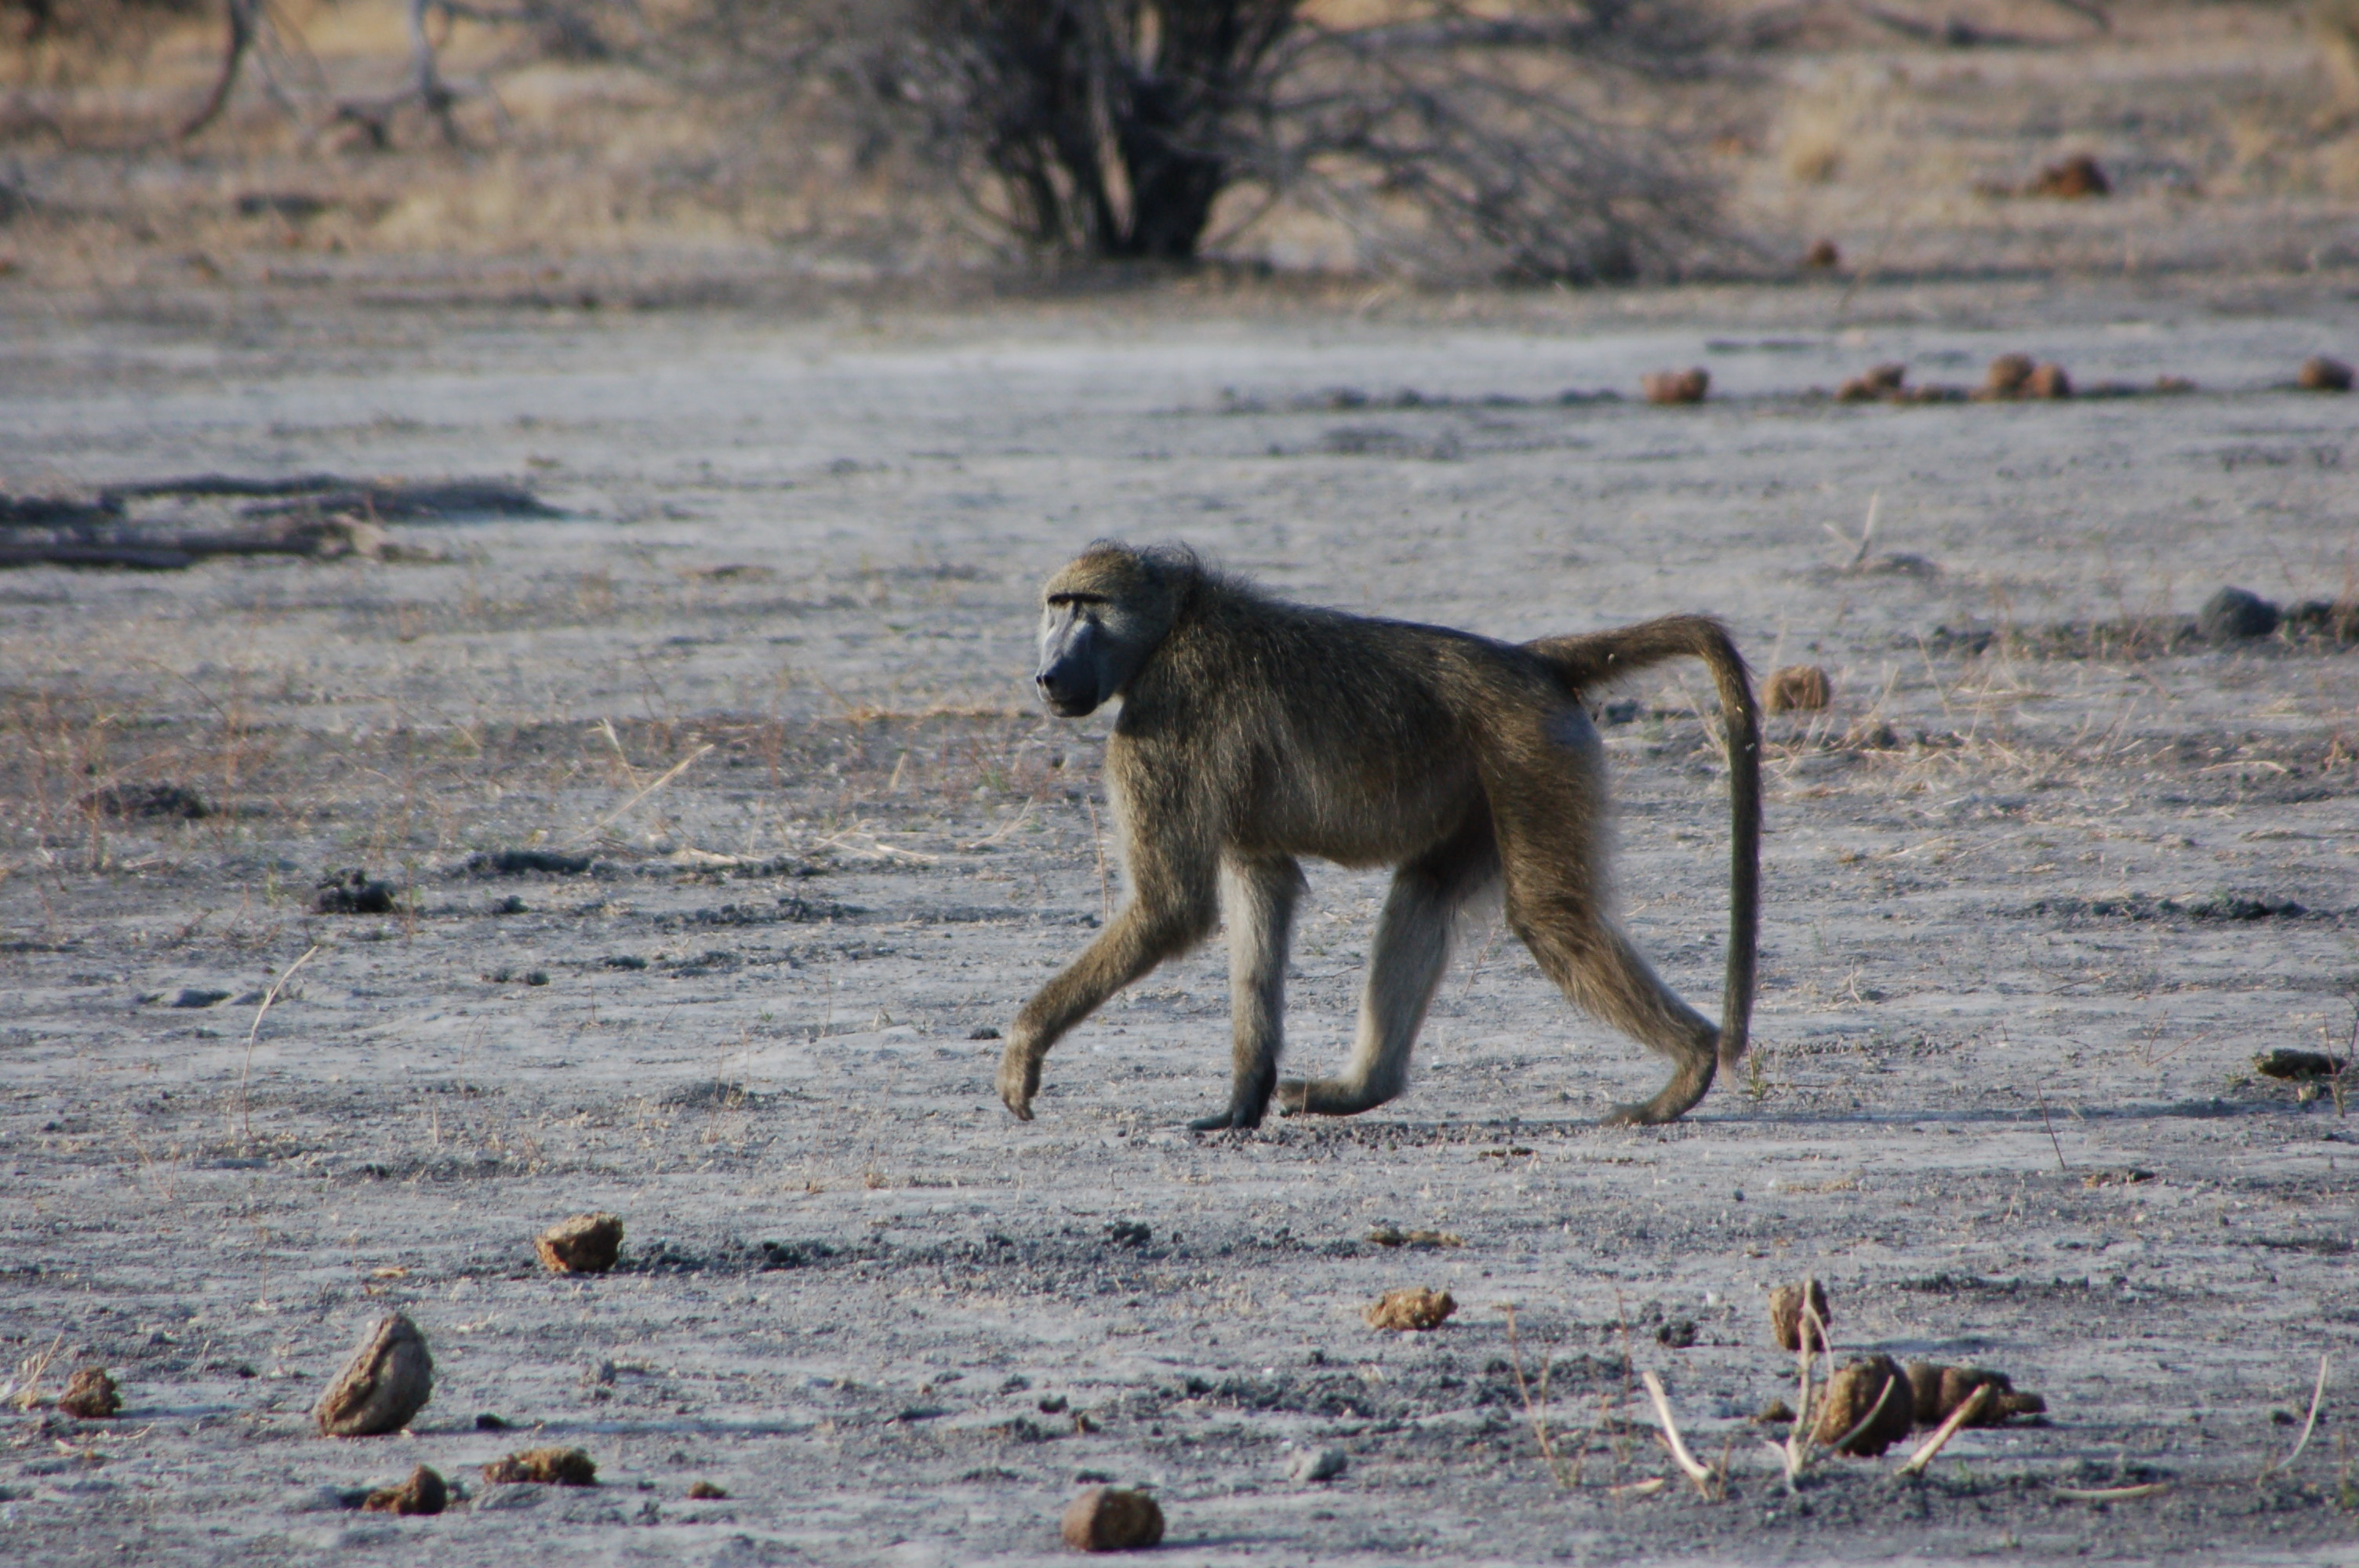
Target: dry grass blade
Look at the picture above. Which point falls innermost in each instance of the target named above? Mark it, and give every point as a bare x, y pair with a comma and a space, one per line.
1860, 1428
2112, 1494
1927, 1451
1690, 1466
612, 816
245, 1107
2316, 1394
1535, 1410
29, 1372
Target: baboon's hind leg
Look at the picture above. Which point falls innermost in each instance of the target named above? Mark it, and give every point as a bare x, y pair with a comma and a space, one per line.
1581, 951
1405, 964
1258, 897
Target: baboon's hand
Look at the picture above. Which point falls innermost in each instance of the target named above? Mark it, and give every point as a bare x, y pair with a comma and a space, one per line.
1019, 1078
1293, 1096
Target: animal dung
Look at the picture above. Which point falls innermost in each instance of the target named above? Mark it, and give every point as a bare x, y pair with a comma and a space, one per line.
2006, 376
1308, 1467
1824, 256
1796, 688
1786, 1315
2295, 1064
543, 1467
1414, 1308
91, 1394
1869, 1405
423, 1493
352, 893
2319, 373
2048, 381
2077, 179
388, 1379
1676, 385
1873, 384
586, 1244
1112, 1519
1936, 1392
1394, 1236
2235, 615
706, 1492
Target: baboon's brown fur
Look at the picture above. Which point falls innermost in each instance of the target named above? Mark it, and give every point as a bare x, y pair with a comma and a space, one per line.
1253, 732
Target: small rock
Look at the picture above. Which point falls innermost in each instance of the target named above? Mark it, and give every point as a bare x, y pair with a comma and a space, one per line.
423, 1493
2319, 373
388, 1379
1796, 688
586, 1244
91, 1394
1873, 1390
198, 996
1311, 1465
2234, 615
352, 893
1786, 1315
1775, 1412
1111, 1519
498, 1499
543, 1467
1416, 1308
706, 1492
1676, 385
2077, 179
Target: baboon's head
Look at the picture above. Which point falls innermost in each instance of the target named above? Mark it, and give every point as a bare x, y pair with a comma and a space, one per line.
1101, 617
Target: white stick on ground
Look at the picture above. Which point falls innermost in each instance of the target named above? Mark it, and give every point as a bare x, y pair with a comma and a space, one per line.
1698, 1473
1971, 1407
2308, 1427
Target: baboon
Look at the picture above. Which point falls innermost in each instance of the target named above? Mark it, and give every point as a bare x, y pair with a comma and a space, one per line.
1253, 732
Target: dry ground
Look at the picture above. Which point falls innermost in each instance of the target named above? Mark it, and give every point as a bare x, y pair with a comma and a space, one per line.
2032, 911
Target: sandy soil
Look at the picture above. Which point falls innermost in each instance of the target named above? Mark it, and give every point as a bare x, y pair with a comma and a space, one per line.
2032, 912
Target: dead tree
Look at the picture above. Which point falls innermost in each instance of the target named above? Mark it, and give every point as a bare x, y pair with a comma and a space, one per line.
283, 66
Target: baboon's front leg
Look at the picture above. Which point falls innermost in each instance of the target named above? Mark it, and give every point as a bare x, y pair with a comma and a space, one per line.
1405, 965
1259, 897
1162, 920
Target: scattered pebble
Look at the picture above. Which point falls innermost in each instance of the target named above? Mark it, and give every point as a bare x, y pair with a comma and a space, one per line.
1394, 1236
544, 1467
2077, 179
1676, 385
1936, 1392
91, 1394
1796, 688
1786, 1314
706, 1492
1310, 1466
1111, 1519
2319, 373
388, 1379
352, 893
423, 1493
2234, 615
1414, 1308
586, 1244
1853, 1394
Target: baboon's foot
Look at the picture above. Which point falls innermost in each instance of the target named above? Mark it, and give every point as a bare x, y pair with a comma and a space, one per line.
1326, 1097
1019, 1079
1679, 1096
1238, 1116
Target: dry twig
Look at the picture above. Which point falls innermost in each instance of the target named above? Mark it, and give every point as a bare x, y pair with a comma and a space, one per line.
1927, 1451
1700, 1474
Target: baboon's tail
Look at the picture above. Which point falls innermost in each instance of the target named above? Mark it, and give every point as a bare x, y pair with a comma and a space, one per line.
1585, 662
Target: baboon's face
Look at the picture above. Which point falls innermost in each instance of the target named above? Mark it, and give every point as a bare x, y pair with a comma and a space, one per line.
1100, 618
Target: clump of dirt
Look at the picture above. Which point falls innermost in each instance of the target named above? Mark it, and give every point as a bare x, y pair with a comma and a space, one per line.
1796, 688
1936, 1392
351, 892
1394, 1236
1676, 385
423, 1493
2319, 373
388, 1379
1414, 1308
1112, 1519
543, 1467
1868, 1407
706, 1492
148, 802
2077, 179
91, 1394
586, 1244
1786, 1315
